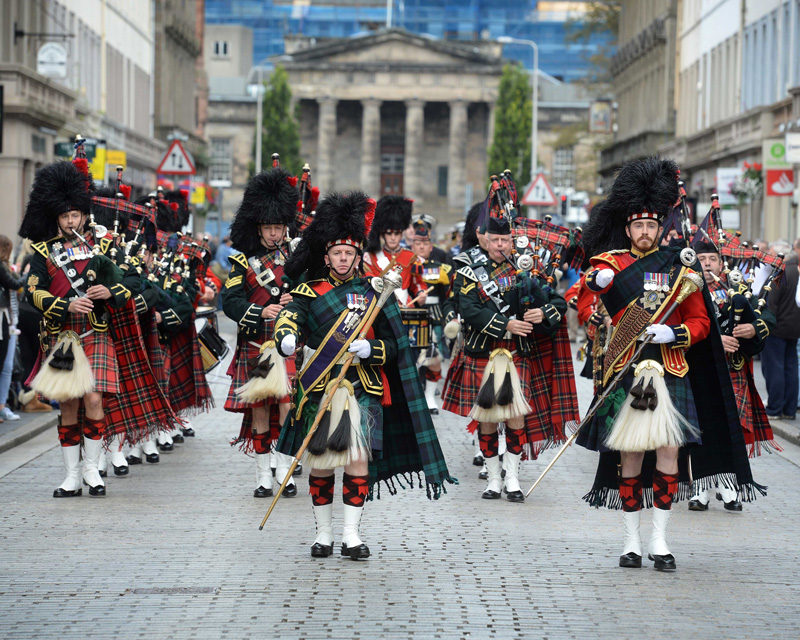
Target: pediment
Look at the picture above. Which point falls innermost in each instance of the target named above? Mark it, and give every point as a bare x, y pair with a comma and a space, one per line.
396, 48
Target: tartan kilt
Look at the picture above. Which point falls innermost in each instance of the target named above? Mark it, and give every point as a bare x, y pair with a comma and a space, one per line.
462, 393
240, 373
594, 435
99, 349
189, 392
752, 413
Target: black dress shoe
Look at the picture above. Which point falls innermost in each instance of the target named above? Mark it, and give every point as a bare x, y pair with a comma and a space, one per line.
321, 550
63, 493
188, 432
99, 490
515, 496
696, 505
477, 461
120, 471
261, 492
298, 470
483, 475
177, 437
152, 458
134, 460
103, 473
290, 491
167, 446
434, 412
630, 561
663, 563
356, 553
733, 505
490, 495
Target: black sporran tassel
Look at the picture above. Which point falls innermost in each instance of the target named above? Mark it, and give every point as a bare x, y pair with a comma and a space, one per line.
63, 358
485, 398
639, 401
505, 394
319, 441
260, 369
340, 440
651, 396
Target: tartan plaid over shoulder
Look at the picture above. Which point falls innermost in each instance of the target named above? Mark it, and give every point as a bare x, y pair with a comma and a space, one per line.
140, 408
189, 392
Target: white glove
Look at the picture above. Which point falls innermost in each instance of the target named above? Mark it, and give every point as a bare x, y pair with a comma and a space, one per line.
288, 345
361, 348
604, 277
662, 333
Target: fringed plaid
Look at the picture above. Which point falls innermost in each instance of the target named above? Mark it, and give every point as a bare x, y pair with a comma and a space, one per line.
189, 393
155, 352
140, 408
752, 413
547, 381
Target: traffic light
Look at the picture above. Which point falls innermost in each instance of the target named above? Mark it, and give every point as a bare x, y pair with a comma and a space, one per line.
564, 206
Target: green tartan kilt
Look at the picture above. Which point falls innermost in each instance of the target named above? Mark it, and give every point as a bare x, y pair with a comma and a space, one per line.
593, 435
294, 431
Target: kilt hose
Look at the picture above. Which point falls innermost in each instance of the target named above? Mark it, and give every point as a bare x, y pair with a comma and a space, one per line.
189, 393
540, 384
239, 371
752, 413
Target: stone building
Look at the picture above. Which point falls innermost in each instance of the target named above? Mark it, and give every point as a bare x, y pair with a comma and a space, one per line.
643, 70
394, 112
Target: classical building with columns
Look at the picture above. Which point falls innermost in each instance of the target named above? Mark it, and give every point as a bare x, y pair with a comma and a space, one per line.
394, 112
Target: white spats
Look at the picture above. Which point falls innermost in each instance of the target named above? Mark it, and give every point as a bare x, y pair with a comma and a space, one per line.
282, 464
91, 458
72, 464
352, 520
495, 468
633, 541
430, 394
511, 464
263, 471
658, 539
323, 516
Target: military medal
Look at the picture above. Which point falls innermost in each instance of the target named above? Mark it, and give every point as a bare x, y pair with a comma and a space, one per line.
656, 282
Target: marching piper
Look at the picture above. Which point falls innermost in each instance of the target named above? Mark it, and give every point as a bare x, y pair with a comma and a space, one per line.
369, 418
254, 295
665, 404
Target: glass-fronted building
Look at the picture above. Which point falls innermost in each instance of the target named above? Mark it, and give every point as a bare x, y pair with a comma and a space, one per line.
543, 22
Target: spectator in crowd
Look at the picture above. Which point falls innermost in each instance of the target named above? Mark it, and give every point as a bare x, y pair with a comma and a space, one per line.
779, 360
224, 252
9, 283
29, 319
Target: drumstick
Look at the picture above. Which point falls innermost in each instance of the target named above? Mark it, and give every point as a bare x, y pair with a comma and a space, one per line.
415, 300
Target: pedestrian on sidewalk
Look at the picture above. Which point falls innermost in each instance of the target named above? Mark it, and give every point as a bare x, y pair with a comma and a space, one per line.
779, 361
9, 314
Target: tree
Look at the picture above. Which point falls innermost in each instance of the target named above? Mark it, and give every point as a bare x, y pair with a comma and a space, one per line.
511, 147
280, 131
601, 22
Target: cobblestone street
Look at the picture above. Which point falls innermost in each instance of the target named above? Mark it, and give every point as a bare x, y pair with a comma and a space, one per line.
174, 551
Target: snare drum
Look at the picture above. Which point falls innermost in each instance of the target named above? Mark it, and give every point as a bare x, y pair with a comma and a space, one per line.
212, 347
416, 323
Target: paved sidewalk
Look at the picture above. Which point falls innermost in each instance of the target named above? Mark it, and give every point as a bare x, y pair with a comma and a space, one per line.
174, 551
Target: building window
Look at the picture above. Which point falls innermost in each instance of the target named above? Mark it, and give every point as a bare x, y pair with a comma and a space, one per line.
392, 162
221, 159
221, 48
443, 180
564, 168
38, 144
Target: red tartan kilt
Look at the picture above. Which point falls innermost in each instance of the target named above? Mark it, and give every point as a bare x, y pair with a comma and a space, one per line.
752, 413
239, 371
99, 349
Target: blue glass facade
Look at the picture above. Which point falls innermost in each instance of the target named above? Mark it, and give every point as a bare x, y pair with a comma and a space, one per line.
445, 19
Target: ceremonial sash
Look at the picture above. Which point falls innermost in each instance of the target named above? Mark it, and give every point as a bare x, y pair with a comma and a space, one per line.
640, 311
70, 278
335, 344
490, 289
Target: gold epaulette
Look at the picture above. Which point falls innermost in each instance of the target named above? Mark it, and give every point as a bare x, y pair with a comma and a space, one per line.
41, 248
305, 289
240, 259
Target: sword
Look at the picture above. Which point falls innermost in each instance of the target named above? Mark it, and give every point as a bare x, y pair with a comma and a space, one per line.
690, 282
391, 281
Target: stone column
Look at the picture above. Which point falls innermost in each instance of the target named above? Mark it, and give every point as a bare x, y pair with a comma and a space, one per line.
415, 129
323, 177
492, 112
457, 167
371, 147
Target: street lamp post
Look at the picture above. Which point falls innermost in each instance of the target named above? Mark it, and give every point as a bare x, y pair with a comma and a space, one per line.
535, 100
259, 113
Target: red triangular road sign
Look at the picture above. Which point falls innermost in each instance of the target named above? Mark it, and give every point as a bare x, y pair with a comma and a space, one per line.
177, 161
539, 194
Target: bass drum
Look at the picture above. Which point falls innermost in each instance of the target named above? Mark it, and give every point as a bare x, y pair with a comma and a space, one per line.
213, 348
417, 327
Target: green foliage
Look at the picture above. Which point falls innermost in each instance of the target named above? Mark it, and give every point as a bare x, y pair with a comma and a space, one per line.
280, 132
511, 147
601, 19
